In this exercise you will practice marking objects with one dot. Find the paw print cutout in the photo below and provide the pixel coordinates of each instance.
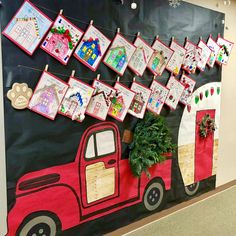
(19, 95)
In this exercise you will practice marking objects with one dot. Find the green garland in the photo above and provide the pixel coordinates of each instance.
(151, 140)
(207, 126)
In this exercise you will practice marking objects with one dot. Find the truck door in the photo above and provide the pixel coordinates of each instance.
(203, 149)
(99, 166)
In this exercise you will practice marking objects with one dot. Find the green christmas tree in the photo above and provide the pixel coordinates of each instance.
(151, 140)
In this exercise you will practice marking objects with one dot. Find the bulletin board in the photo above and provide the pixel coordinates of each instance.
(34, 143)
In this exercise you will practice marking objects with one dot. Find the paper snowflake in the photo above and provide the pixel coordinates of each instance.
(174, 3)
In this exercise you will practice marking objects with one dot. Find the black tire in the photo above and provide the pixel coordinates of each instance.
(41, 225)
(192, 189)
(154, 196)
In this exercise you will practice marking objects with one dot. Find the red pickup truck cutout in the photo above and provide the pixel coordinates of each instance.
(97, 183)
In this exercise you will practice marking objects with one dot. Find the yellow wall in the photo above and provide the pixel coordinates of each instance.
(226, 170)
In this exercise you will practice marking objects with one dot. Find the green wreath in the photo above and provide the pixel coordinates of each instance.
(207, 126)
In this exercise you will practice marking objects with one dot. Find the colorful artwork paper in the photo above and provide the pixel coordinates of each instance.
(175, 93)
(28, 27)
(92, 48)
(121, 102)
(157, 98)
(48, 95)
(119, 54)
(141, 56)
(176, 61)
(101, 100)
(159, 58)
(76, 100)
(211, 43)
(139, 103)
(62, 39)
(205, 55)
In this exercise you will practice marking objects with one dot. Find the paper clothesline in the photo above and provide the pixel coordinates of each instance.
(167, 39)
(82, 77)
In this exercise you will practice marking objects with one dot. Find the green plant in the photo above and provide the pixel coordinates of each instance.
(207, 126)
(151, 141)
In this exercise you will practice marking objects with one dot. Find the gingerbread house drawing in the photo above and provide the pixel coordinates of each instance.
(157, 61)
(139, 58)
(47, 98)
(25, 31)
(117, 106)
(99, 103)
(117, 57)
(137, 103)
(90, 50)
(58, 44)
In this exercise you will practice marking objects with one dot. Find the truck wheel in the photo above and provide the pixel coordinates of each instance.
(39, 226)
(154, 196)
(191, 189)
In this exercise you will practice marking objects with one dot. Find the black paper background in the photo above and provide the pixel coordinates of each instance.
(34, 142)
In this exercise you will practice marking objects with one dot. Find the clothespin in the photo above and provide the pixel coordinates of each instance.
(172, 38)
(61, 12)
(72, 73)
(134, 79)
(138, 34)
(154, 77)
(118, 79)
(46, 68)
(98, 76)
(200, 37)
(186, 38)
(118, 30)
(219, 35)
(91, 22)
(157, 37)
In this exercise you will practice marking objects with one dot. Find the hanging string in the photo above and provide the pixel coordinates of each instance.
(166, 40)
(67, 76)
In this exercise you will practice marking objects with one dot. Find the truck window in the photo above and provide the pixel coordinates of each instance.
(105, 142)
(90, 151)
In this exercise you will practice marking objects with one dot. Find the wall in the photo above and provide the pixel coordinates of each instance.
(3, 199)
(227, 161)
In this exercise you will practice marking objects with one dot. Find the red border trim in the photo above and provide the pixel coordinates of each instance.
(41, 77)
(155, 81)
(208, 57)
(147, 99)
(129, 105)
(79, 81)
(118, 34)
(11, 39)
(51, 54)
(91, 114)
(174, 108)
(174, 41)
(184, 88)
(156, 74)
(130, 67)
(211, 66)
(217, 62)
(85, 63)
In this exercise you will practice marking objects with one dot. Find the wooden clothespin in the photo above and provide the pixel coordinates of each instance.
(46, 68)
(154, 77)
(61, 12)
(219, 35)
(118, 30)
(118, 79)
(172, 38)
(134, 79)
(72, 73)
(157, 37)
(91, 22)
(98, 76)
(138, 34)
(200, 38)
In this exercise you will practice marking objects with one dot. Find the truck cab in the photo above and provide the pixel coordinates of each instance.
(97, 183)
